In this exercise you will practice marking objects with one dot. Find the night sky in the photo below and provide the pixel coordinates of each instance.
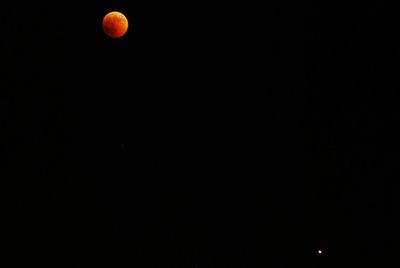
(210, 135)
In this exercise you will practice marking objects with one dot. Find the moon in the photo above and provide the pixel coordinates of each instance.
(115, 24)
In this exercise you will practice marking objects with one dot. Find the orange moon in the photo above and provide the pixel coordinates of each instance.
(115, 24)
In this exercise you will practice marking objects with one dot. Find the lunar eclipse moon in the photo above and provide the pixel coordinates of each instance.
(115, 24)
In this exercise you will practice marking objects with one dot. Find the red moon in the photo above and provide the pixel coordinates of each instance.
(115, 24)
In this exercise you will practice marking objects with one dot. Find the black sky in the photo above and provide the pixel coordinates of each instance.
(210, 135)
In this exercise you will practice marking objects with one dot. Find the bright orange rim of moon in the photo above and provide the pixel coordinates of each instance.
(115, 24)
